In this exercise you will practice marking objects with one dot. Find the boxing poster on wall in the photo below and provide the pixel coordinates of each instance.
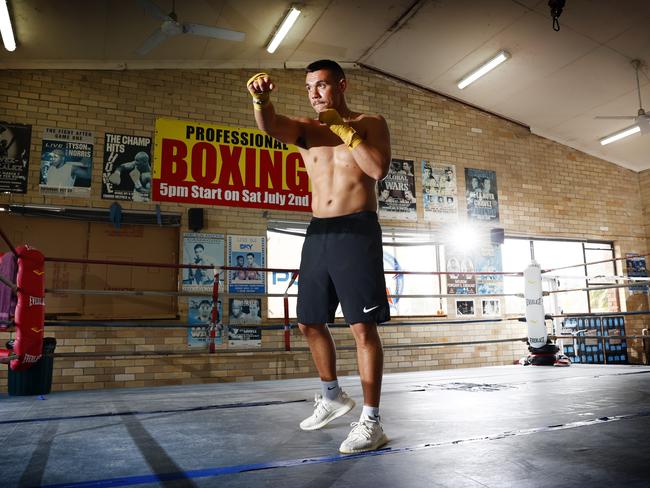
(126, 174)
(481, 195)
(484, 259)
(465, 308)
(248, 253)
(439, 192)
(204, 250)
(66, 162)
(245, 311)
(488, 258)
(243, 336)
(199, 314)
(15, 140)
(396, 192)
(208, 164)
(490, 307)
(636, 268)
(458, 281)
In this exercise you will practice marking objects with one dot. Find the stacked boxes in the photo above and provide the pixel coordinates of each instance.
(615, 349)
(587, 348)
(569, 327)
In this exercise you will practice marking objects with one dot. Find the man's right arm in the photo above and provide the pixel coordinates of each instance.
(285, 129)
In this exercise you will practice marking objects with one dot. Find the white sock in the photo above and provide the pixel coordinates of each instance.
(370, 413)
(331, 389)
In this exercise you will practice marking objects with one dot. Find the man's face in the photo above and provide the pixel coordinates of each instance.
(250, 260)
(240, 261)
(486, 185)
(254, 308)
(324, 90)
(235, 309)
(198, 251)
(57, 159)
(204, 310)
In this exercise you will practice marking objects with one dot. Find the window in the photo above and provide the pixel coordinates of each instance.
(552, 254)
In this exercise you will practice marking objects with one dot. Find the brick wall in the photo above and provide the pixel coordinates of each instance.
(545, 190)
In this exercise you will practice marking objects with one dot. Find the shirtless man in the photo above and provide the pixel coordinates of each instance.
(345, 153)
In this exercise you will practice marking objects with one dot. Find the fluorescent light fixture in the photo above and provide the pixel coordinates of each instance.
(5, 27)
(616, 136)
(285, 26)
(486, 68)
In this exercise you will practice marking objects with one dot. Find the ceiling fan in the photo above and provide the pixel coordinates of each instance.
(171, 27)
(642, 118)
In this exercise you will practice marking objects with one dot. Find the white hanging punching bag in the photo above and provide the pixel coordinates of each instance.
(537, 334)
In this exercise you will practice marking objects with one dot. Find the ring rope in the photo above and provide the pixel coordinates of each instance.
(601, 277)
(275, 350)
(74, 291)
(268, 326)
(9, 244)
(268, 270)
(593, 288)
(594, 262)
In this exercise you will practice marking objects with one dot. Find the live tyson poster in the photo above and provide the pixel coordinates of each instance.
(207, 164)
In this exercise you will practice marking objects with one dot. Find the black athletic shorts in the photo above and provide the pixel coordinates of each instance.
(342, 261)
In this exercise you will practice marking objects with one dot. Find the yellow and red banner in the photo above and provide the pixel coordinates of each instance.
(208, 164)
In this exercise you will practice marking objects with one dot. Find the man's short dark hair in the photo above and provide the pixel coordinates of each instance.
(251, 255)
(199, 246)
(328, 64)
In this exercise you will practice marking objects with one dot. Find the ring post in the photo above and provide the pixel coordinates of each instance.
(214, 318)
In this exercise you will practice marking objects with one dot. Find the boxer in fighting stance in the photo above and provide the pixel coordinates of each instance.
(345, 153)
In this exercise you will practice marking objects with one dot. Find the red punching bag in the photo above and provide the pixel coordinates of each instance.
(30, 308)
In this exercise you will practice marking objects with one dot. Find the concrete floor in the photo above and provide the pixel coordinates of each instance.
(508, 426)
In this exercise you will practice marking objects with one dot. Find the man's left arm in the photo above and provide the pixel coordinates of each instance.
(372, 152)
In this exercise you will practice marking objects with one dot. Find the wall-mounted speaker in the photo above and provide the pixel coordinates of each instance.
(497, 236)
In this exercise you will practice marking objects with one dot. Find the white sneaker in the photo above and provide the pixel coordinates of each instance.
(327, 410)
(366, 435)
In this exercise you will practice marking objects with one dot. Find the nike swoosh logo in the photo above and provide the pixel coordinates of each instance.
(331, 387)
(366, 310)
(37, 330)
(39, 273)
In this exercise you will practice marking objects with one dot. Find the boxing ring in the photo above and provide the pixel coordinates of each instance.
(490, 426)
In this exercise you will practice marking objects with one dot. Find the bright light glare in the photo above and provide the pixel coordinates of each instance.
(287, 23)
(463, 238)
(620, 135)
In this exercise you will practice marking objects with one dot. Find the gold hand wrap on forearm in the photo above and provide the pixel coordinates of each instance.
(260, 99)
(336, 124)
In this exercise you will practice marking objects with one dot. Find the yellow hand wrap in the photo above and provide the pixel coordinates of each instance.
(260, 99)
(336, 124)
